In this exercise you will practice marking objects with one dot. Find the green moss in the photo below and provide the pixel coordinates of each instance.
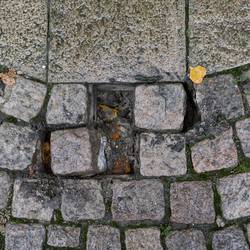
(58, 215)
(244, 166)
(166, 230)
(11, 119)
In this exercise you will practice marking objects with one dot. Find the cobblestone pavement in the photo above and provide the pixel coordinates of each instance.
(105, 144)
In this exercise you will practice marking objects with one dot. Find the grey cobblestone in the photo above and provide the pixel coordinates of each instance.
(162, 155)
(24, 100)
(102, 237)
(23, 43)
(218, 34)
(143, 238)
(192, 202)
(246, 89)
(71, 152)
(5, 189)
(101, 42)
(138, 200)
(234, 192)
(160, 107)
(231, 238)
(35, 199)
(17, 146)
(219, 95)
(63, 236)
(215, 154)
(243, 132)
(82, 200)
(186, 239)
(24, 237)
(67, 105)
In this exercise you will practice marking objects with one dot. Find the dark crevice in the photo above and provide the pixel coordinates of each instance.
(46, 152)
(192, 115)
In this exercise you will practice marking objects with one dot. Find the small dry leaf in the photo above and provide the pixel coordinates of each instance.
(197, 74)
(9, 77)
(111, 113)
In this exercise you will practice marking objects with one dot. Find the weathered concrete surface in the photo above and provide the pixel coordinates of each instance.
(103, 237)
(192, 202)
(67, 105)
(162, 155)
(221, 96)
(186, 239)
(24, 100)
(24, 36)
(234, 193)
(35, 199)
(117, 41)
(24, 237)
(215, 154)
(17, 146)
(143, 238)
(63, 236)
(219, 34)
(138, 200)
(82, 200)
(160, 106)
(243, 132)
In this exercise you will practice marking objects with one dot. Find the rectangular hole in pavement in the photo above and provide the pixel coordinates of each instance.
(114, 119)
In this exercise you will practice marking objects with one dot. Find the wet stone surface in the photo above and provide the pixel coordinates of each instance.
(103, 237)
(192, 202)
(82, 200)
(215, 154)
(186, 239)
(17, 146)
(231, 238)
(160, 107)
(63, 236)
(243, 132)
(234, 192)
(138, 200)
(67, 105)
(24, 236)
(139, 239)
(117, 41)
(24, 100)
(219, 95)
(218, 34)
(162, 155)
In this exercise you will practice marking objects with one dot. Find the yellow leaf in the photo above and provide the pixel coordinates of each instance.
(9, 77)
(197, 74)
(111, 113)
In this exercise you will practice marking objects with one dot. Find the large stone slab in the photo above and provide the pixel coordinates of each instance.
(186, 239)
(219, 95)
(215, 154)
(243, 132)
(17, 146)
(231, 238)
(103, 238)
(219, 34)
(23, 36)
(23, 100)
(234, 193)
(192, 202)
(63, 236)
(35, 199)
(71, 152)
(82, 200)
(24, 237)
(162, 155)
(143, 238)
(117, 41)
(138, 200)
(67, 105)
(5, 188)
(160, 106)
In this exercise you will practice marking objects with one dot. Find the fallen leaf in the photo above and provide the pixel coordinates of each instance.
(110, 113)
(116, 135)
(197, 74)
(9, 77)
(122, 166)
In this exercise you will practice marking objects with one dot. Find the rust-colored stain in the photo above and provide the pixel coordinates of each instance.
(122, 166)
(116, 135)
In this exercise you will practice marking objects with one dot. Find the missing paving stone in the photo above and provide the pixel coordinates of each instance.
(114, 119)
